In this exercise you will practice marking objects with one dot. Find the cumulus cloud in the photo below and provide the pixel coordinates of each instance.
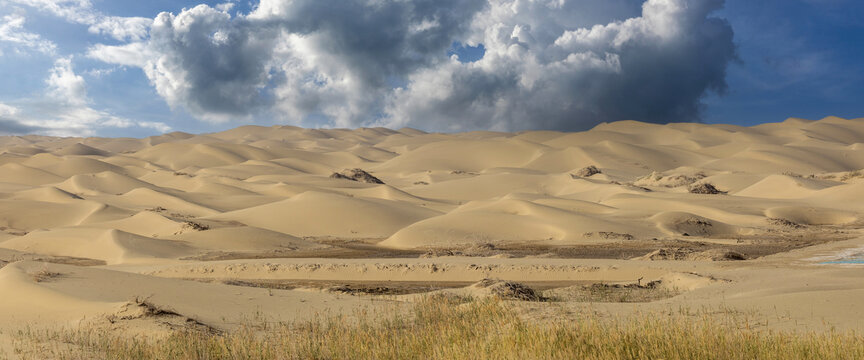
(655, 67)
(82, 12)
(12, 34)
(64, 85)
(214, 66)
(341, 63)
(552, 64)
(300, 58)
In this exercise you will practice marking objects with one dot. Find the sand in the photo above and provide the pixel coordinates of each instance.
(204, 224)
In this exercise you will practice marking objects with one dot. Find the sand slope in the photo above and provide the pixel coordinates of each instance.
(443, 189)
(172, 205)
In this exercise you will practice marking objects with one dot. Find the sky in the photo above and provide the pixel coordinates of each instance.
(139, 68)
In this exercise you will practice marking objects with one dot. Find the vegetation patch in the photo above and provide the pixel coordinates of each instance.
(357, 175)
(509, 290)
(587, 171)
(609, 235)
(692, 255)
(785, 223)
(447, 327)
(44, 275)
(852, 175)
(705, 188)
(612, 293)
(669, 181)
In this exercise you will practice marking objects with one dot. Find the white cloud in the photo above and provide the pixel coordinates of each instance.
(225, 7)
(133, 54)
(99, 73)
(65, 86)
(65, 110)
(297, 58)
(12, 33)
(158, 126)
(548, 63)
(8, 110)
(82, 12)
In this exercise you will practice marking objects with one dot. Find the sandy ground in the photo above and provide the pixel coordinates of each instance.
(275, 223)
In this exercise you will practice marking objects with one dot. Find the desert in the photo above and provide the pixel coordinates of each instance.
(281, 224)
(431, 179)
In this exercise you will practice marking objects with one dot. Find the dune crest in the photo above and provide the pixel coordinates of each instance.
(442, 190)
(284, 219)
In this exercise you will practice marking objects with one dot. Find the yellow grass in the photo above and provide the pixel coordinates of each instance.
(448, 328)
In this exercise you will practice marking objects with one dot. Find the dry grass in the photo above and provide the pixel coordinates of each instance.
(452, 328)
(610, 293)
(852, 175)
(44, 275)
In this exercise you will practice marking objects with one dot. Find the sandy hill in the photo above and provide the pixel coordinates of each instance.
(243, 203)
(440, 190)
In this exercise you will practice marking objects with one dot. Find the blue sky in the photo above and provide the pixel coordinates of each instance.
(798, 58)
(119, 68)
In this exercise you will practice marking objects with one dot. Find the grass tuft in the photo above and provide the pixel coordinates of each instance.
(447, 327)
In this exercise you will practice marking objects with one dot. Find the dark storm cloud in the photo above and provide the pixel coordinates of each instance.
(380, 39)
(547, 63)
(655, 68)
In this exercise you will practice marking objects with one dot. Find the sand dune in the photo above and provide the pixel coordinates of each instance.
(67, 166)
(80, 149)
(181, 156)
(242, 238)
(45, 193)
(326, 214)
(29, 215)
(812, 215)
(244, 203)
(482, 222)
(80, 292)
(784, 187)
(21, 174)
(464, 155)
(109, 245)
(276, 178)
(143, 198)
(145, 223)
(106, 182)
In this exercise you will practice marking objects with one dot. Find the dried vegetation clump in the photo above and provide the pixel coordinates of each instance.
(509, 290)
(669, 181)
(705, 188)
(44, 275)
(692, 255)
(476, 250)
(852, 175)
(612, 293)
(587, 171)
(785, 223)
(609, 235)
(357, 175)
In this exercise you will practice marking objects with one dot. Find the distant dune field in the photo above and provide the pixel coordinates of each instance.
(288, 222)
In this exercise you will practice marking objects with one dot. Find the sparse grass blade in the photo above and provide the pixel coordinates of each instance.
(457, 328)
